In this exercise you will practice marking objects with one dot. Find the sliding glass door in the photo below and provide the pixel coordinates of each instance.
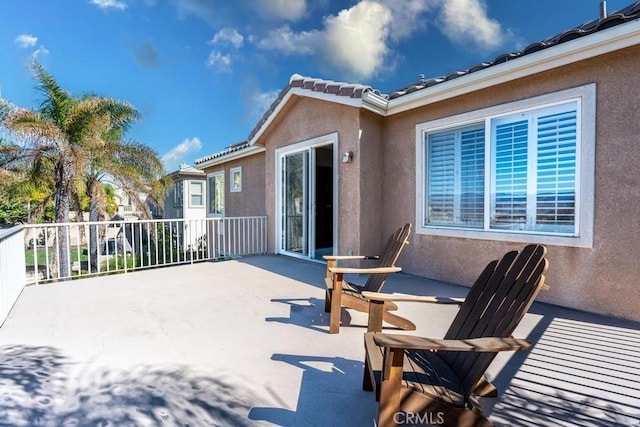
(306, 200)
(295, 203)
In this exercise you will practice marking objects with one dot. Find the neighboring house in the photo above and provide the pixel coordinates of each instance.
(128, 210)
(540, 145)
(186, 200)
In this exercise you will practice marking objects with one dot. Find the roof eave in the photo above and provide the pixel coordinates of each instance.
(374, 102)
(249, 151)
(600, 43)
(306, 93)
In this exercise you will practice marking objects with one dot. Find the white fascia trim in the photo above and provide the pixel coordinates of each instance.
(249, 151)
(602, 42)
(304, 93)
(374, 102)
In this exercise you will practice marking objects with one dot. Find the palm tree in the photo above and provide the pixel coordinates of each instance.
(135, 168)
(79, 140)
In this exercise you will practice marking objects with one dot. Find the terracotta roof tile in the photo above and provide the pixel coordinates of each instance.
(229, 150)
(316, 85)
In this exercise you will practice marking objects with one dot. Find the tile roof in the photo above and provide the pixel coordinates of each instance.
(628, 13)
(230, 149)
(351, 90)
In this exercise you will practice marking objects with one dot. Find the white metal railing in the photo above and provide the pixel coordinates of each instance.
(12, 268)
(78, 249)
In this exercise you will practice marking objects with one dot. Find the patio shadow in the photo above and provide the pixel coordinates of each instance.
(308, 272)
(36, 390)
(30, 380)
(582, 371)
(308, 313)
(330, 394)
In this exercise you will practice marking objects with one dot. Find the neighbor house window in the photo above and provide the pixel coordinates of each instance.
(196, 194)
(508, 173)
(235, 175)
(216, 193)
(178, 192)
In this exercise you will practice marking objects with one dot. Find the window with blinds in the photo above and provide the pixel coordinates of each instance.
(456, 177)
(530, 186)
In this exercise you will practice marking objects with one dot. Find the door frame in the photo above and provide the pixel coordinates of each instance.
(307, 145)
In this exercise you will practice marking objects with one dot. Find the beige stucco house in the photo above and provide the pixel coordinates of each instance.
(540, 145)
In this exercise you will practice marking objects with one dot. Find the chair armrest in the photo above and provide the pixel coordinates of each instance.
(484, 344)
(375, 270)
(342, 257)
(379, 296)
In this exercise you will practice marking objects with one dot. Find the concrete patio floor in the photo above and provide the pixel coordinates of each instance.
(245, 342)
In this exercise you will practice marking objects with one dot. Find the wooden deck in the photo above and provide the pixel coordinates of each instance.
(245, 342)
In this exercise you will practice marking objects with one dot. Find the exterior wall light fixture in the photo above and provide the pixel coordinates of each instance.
(347, 157)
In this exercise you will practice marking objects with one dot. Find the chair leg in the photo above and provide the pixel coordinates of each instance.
(327, 301)
(336, 304)
(391, 389)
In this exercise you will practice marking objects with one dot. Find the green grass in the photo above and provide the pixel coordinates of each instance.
(42, 260)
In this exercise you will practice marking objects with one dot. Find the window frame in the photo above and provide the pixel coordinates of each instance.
(193, 183)
(219, 174)
(585, 96)
(178, 194)
(233, 188)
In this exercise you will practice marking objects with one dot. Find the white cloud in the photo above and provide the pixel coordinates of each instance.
(109, 4)
(359, 41)
(285, 40)
(408, 16)
(178, 154)
(218, 61)
(228, 36)
(41, 51)
(26, 40)
(202, 9)
(290, 10)
(467, 20)
(356, 39)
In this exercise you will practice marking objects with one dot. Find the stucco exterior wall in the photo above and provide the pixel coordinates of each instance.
(370, 161)
(601, 279)
(251, 200)
(305, 119)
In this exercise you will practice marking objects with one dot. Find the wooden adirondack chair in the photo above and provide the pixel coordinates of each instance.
(438, 379)
(340, 292)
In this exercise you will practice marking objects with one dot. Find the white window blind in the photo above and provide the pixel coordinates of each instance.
(509, 207)
(556, 171)
(441, 177)
(472, 177)
(456, 177)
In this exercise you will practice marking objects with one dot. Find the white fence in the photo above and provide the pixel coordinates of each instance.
(79, 249)
(12, 268)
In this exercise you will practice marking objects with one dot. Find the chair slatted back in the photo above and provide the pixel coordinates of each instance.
(494, 306)
(389, 256)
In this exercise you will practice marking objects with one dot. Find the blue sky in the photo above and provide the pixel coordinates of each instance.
(202, 72)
